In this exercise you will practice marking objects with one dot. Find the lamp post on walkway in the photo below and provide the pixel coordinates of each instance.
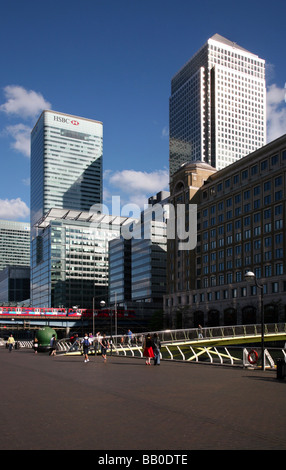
(93, 316)
(102, 305)
(250, 277)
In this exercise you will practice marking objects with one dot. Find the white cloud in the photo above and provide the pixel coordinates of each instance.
(23, 103)
(134, 187)
(276, 112)
(165, 132)
(26, 181)
(13, 209)
(21, 135)
(131, 181)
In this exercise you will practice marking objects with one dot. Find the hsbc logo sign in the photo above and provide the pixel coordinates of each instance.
(65, 120)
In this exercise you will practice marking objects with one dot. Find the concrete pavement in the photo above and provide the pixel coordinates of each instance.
(62, 403)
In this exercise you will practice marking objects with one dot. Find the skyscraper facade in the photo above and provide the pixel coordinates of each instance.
(217, 108)
(14, 244)
(240, 227)
(137, 266)
(119, 271)
(69, 258)
(66, 163)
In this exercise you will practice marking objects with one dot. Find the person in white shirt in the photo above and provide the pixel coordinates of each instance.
(86, 343)
(98, 339)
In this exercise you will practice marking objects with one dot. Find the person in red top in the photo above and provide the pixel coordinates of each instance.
(148, 349)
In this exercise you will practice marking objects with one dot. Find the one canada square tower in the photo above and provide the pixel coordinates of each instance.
(217, 108)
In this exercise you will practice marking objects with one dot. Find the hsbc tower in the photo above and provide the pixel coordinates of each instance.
(66, 163)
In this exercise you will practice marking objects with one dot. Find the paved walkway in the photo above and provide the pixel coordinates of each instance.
(62, 403)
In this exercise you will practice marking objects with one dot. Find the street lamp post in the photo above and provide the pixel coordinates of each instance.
(250, 277)
(93, 317)
(102, 304)
(115, 314)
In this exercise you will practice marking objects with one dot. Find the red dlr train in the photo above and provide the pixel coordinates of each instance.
(64, 313)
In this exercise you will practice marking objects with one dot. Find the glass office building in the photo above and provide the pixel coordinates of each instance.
(149, 257)
(66, 163)
(137, 266)
(14, 243)
(137, 269)
(119, 271)
(15, 284)
(69, 258)
(217, 108)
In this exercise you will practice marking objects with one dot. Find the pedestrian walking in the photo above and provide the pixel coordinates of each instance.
(75, 344)
(10, 342)
(156, 344)
(148, 349)
(129, 337)
(104, 345)
(36, 345)
(98, 338)
(53, 346)
(86, 344)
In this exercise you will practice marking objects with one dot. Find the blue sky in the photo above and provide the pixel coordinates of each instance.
(113, 60)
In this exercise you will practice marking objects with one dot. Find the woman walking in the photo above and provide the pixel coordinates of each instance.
(104, 345)
(53, 346)
(148, 349)
(35, 345)
(156, 348)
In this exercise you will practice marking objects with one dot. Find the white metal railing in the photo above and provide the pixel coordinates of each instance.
(233, 331)
(175, 343)
(122, 343)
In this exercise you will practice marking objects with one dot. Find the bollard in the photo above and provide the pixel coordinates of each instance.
(281, 369)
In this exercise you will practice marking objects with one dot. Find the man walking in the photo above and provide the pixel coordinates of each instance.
(10, 342)
(86, 343)
(129, 337)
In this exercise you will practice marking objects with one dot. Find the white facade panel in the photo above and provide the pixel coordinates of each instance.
(232, 122)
